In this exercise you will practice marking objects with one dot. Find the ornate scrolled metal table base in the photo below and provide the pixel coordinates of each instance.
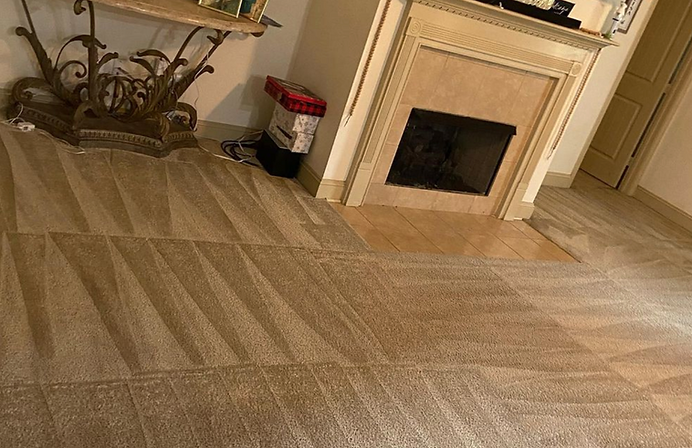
(140, 136)
(94, 108)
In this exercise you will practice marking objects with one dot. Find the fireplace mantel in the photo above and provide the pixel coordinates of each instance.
(518, 22)
(502, 41)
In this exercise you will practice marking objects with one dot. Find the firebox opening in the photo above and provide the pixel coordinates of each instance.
(448, 152)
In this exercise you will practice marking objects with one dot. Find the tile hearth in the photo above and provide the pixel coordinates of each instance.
(398, 229)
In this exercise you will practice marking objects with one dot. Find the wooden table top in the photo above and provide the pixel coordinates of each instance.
(188, 12)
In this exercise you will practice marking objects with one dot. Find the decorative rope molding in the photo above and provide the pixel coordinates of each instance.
(504, 19)
(371, 56)
(573, 106)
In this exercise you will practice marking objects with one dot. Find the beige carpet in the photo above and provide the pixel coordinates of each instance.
(192, 302)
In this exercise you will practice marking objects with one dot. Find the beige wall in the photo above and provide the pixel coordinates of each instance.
(349, 134)
(669, 175)
(328, 61)
(596, 98)
(234, 95)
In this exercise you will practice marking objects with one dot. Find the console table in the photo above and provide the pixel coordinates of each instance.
(95, 108)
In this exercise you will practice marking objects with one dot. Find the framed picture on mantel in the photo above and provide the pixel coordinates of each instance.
(629, 16)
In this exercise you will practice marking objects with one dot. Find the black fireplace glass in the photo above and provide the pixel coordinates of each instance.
(448, 152)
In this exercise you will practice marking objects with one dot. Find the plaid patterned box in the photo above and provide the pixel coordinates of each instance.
(295, 98)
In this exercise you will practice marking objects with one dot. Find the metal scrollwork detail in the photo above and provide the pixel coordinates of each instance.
(79, 7)
(91, 91)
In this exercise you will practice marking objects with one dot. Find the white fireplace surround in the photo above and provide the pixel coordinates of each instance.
(487, 34)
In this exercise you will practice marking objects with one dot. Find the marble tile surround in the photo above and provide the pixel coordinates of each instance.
(459, 85)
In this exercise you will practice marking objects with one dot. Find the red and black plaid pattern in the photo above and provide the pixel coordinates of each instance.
(295, 98)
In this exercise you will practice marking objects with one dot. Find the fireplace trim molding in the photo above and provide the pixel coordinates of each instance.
(518, 22)
(492, 35)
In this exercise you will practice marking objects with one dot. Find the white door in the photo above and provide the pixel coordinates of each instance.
(641, 91)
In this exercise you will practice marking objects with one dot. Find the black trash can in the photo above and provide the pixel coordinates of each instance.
(278, 161)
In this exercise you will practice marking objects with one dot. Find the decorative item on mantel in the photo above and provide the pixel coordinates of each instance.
(558, 11)
(538, 9)
(296, 116)
(619, 17)
(626, 22)
(543, 4)
(95, 108)
(562, 7)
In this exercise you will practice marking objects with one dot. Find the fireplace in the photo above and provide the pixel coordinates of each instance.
(470, 109)
(467, 60)
(440, 151)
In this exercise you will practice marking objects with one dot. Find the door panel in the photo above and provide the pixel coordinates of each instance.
(620, 117)
(652, 52)
(642, 87)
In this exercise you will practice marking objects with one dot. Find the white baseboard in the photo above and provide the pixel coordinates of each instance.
(332, 190)
(329, 189)
(309, 179)
(665, 208)
(559, 180)
(525, 210)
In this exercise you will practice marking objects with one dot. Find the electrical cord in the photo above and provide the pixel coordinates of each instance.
(17, 119)
(236, 153)
(61, 144)
(236, 149)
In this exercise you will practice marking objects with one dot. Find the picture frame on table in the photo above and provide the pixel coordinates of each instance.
(256, 10)
(229, 7)
(632, 8)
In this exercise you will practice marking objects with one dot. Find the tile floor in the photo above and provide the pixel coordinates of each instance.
(396, 229)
